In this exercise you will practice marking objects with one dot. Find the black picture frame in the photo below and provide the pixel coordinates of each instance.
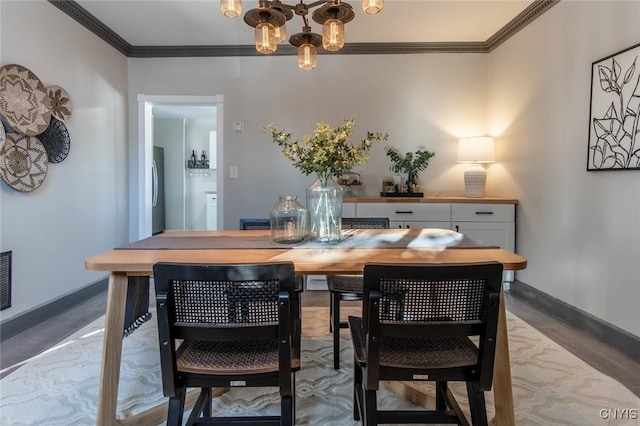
(614, 114)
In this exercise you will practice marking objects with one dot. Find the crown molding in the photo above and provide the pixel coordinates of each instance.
(523, 19)
(348, 49)
(90, 22)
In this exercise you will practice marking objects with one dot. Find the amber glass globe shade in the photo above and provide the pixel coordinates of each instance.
(333, 35)
(265, 38)
(307, 57)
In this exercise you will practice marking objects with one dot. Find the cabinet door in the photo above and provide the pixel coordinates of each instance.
(212, 212)
(501, 234)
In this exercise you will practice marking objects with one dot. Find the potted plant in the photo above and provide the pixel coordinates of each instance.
(410, 163)
(328, 154)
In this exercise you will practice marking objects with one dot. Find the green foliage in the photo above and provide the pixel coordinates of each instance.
(327, 153)
(410, 163)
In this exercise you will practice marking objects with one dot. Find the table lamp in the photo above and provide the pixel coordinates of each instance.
(476, 150)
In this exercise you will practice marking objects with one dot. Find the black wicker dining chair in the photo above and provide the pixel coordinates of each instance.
(421, 323)
(255, 223)
(343, 288)
(226, 326)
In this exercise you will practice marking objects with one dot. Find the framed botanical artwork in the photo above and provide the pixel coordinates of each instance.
(614, 117)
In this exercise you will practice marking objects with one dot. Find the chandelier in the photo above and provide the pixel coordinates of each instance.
(270, 17)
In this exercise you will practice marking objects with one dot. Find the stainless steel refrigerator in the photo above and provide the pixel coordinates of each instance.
(157, 196)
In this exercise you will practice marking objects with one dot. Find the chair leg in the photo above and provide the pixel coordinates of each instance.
(293, 397)
(176, 408)
(357, 392)
(477, 405)
(331, 297)
(286, 410)
(370, 408)
(441, 392)
(206, 411)
(335, 315)
(199, 410)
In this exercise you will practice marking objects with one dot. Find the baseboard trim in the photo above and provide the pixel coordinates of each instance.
(613, 336)
(28, 319)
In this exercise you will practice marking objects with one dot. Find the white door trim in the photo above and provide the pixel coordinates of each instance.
(145, 151)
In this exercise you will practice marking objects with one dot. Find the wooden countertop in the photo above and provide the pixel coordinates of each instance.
(430, 199)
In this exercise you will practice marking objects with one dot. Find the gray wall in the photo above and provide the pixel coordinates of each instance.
(579, 230)
(80, 210)
(446, 99)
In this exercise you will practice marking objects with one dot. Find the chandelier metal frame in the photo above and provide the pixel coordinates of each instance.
(276, 14)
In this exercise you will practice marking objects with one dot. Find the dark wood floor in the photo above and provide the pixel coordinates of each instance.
(602, 357)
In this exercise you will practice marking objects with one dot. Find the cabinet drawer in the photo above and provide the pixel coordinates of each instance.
(406, 211)
(483, 212)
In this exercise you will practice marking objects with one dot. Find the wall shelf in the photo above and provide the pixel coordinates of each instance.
(199, 164)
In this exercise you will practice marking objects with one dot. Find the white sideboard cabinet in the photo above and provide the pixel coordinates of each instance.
(492, 220)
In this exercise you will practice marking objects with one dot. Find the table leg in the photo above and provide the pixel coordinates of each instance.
(502, 386)
(112, 350)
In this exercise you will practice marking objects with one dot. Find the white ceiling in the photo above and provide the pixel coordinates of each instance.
(200, 23)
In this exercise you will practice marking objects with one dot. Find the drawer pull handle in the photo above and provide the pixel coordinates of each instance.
(404, 212)
(486, 213)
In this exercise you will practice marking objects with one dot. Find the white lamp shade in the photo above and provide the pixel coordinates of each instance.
(476, 150)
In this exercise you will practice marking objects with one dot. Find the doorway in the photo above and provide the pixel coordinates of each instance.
(188, 117)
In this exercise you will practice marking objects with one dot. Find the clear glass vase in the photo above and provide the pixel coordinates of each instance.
(288, 220)
(324, 202)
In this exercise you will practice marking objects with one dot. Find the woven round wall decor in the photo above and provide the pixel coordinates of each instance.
(56, 141)
(24, 102)
(2, 135)
(61, 106)
(7, 126)
(23, 162)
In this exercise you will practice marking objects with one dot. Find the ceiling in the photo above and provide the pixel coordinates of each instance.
(147, 28)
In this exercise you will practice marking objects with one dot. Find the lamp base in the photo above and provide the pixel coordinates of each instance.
(475, 179)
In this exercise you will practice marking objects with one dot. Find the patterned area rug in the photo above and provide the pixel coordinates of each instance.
(59, 387)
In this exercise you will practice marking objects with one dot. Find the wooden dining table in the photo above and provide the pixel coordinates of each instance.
(396, 246)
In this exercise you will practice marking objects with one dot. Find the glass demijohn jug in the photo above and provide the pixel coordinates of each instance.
(324, 200)
(288, 220)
